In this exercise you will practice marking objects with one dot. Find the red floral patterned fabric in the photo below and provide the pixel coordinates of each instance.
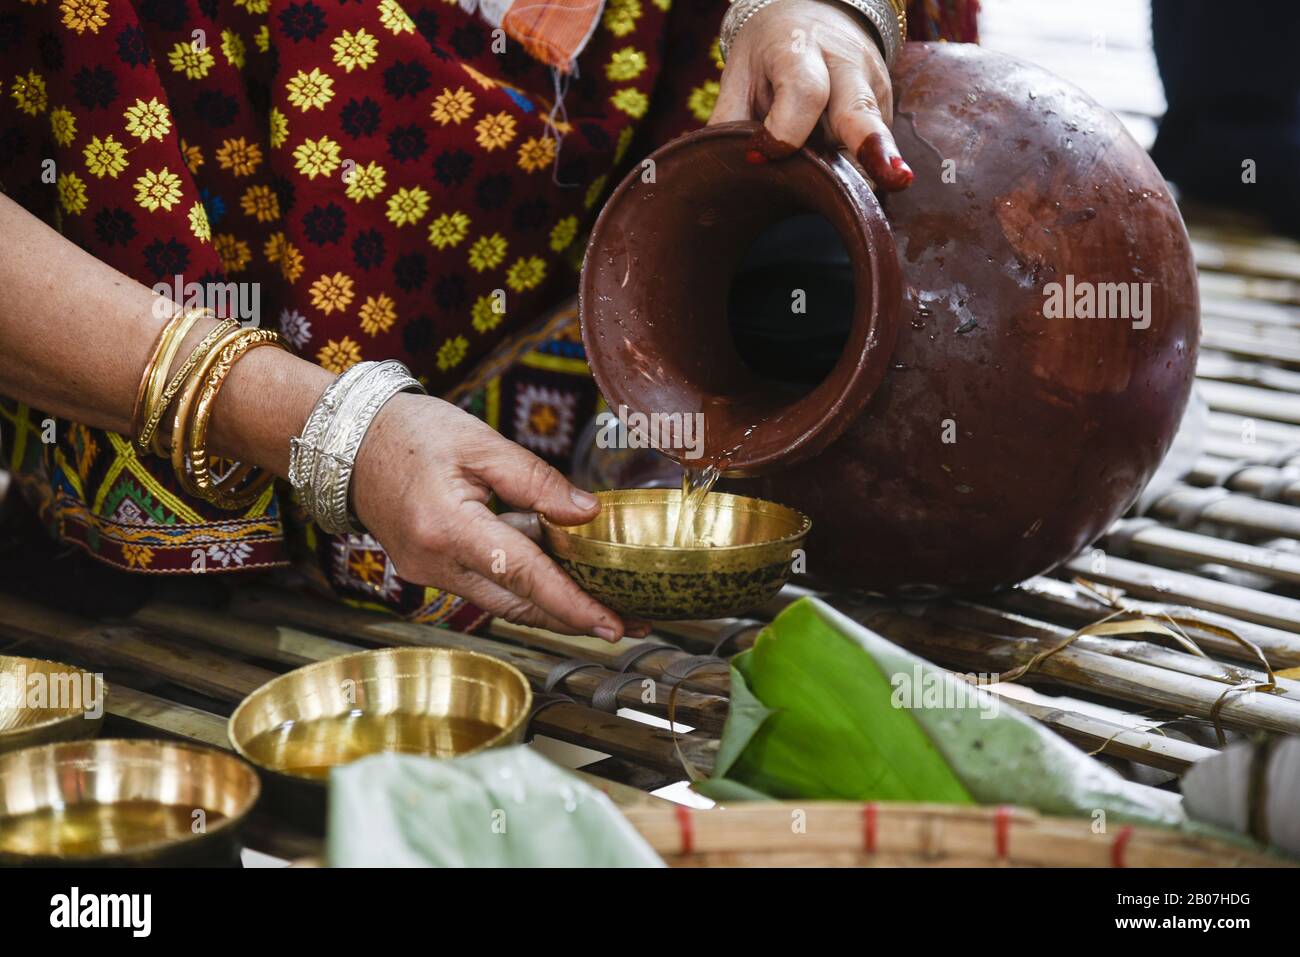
(395, 183)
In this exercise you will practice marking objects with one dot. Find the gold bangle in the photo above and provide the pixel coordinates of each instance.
(150, 375)
(149, 437)
(190, 458)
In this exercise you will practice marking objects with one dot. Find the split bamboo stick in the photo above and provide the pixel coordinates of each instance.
(1164, 543)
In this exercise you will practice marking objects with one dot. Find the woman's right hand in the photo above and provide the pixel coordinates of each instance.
(424, 476)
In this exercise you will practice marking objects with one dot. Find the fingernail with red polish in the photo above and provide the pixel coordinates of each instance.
(764, 147)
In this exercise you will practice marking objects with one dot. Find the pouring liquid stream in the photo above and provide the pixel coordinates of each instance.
(696, 485)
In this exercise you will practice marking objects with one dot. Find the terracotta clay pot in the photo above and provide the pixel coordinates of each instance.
(963, 440)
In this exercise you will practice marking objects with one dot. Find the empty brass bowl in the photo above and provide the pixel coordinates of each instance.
(440, 702)
(45, 701)
(115, 802)
(624, 556)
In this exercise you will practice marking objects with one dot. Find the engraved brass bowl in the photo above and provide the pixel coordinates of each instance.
(45, 701)
(624, 556)
(118, 802)
(442, 702)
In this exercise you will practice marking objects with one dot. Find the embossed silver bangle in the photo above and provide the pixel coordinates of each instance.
(883, 17)
(327, 457)
(737, 15)
(304, 449)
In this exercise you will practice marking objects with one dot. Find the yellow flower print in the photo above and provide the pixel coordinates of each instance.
(453, 106)
(526, 274)
(192, 155)
(664, 5)
(64, 125)
(274, 247)
(332, 293)
(106, 157)
(339, 357)
(233, 253)
(366, 182)
(310, 90)
(594, 191)
(192, 60)
(72, 192)
(355, 50)
(451, 352)
(449, 229)
(407, 207)
(625, 64)
(631, 101)
(29, 93)
(495, 131)
(279, 128)
(536, 153)
(261, 203)
(239, 156)
(262, 39)
(487, 252)
(147, 121)
(83, 15)
(377, 315)
(158, 190)
(137, 556)
(715, 53)
(484, 315)
(563, 233)
(621, 16)
(702, 100)
(394, 18)
(254, 6)
(199, 224)
(317, 157)
(232, 45)
(291, 266)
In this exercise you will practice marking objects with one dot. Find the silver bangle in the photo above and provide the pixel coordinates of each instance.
(737, 15)
(304, 449)
(884, 18)
(323, 458)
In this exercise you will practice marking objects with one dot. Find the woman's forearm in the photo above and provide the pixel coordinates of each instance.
(75, 335)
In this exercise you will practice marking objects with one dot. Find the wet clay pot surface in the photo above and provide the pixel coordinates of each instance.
(964, 440)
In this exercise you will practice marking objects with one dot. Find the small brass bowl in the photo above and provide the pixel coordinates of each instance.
(624, 556)
(118, 802)
(440, 702)
(45, 701)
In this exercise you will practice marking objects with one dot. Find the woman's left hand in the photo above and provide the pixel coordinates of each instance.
(797, 59)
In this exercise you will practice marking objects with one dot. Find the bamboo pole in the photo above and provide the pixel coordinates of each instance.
(230, 681)
(1050, 599)
(695, 709)
(1075, 667)
(1251, 400)
(1162, 542)
(1219, 366)
(1237, 511)
(1162, 584)
(653, 663)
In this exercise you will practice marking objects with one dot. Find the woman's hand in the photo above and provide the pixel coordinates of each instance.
(794, 60)
(424, 475)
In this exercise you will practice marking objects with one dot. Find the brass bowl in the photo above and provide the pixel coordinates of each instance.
(441, 702)
(45, 701)
(116, 802)
(624, 557)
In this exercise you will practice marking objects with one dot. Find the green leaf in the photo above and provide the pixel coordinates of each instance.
(831, 731)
